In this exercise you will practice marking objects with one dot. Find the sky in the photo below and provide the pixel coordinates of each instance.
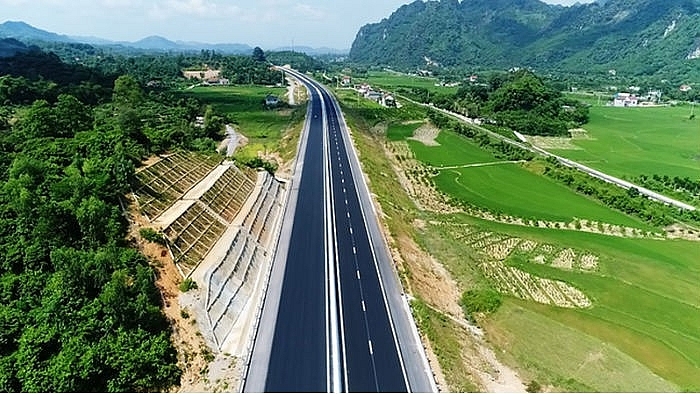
(269, 24)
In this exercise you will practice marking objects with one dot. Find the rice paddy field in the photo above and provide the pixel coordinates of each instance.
(640, 330)
(628, 142)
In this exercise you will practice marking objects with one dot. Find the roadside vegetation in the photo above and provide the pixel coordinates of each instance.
(79, 309)
(567, 289)
(79, 305)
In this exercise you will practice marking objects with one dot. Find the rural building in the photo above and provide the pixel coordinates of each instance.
(271, 100)
(363, 89)
(389, 101)
(686, 88)
(346, 80)
(203, 75)
(625, 100)
(208, 76)
(374, 95)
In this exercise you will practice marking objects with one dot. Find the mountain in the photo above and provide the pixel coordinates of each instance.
(154, 42)
(313, 51)
(10, 47)
(24, 32)
(29, 34)
(638, 36)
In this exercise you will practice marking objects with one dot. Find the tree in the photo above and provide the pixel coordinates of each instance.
(258, 55)
(71, 115)
(127, 92)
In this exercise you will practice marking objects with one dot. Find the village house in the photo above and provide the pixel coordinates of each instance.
(363, 89)
(625, 100)
(346, 80)
(389, 101)
(374, 96)
(208, 76)
(271, 100)
(685, 88)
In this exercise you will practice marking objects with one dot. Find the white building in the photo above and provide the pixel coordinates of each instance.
(625, 100)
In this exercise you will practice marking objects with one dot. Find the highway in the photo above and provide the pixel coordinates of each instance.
(334, 319)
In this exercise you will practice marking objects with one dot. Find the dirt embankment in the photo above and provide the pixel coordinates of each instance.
(202, 370)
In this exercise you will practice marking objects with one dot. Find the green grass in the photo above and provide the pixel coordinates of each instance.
(245, 105)
(391, 81)
(567, 358)
(510, 189)
(634, 141)
(447, 340)
(400, 131)
(646, 307)
(454, 150)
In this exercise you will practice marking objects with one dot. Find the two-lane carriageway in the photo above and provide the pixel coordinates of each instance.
(328, 327)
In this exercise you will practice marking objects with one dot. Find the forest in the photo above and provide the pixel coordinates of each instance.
(79, 310)
(519, 100)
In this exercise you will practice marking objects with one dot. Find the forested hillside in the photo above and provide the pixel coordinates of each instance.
(640, 37)
(79, 310)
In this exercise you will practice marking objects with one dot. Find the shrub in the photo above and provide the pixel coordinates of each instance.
(152, 235)
(533, 387)
(480, 301)
(187, 285)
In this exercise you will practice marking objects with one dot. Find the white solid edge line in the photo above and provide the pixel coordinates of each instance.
(369, 237)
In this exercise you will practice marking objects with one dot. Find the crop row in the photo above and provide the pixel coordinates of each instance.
(523, 285)
(500, 247)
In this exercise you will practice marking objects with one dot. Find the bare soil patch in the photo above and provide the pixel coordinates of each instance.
(681, 231)
(561, 143)
(192, 351)
(426, 134)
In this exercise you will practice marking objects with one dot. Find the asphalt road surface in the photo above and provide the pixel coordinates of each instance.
(330, 326)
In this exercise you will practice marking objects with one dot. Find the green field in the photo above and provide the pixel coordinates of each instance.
(644, 319)
(641, 332)
(510, 189)
(506, 187)
(644, 293)
(393, 80)
(634, 141)
(646, 299)
(245, 105)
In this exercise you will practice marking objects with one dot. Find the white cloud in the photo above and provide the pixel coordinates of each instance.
(310, 12)
(192, 8)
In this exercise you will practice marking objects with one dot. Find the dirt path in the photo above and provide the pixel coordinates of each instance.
(494, 163)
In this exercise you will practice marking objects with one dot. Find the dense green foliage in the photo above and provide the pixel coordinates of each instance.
(480, 301)
(299, 61)
(79, 310)
(683, 188)
(520, 101)
(639, 37)
(152, 235)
